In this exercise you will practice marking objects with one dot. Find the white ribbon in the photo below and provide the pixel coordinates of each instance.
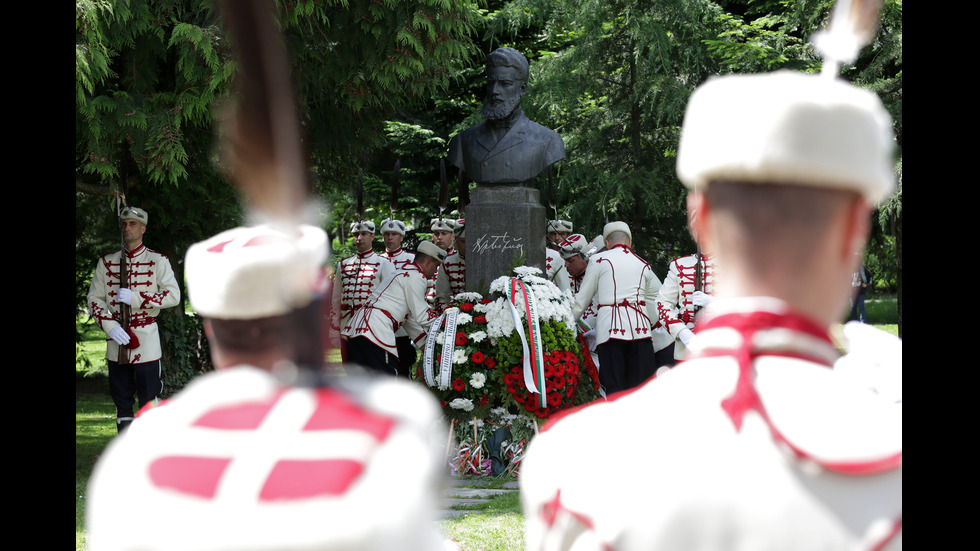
(448, 344)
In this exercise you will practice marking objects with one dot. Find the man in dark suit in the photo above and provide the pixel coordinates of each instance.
(507, 148)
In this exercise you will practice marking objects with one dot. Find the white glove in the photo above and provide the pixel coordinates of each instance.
(590, 339)
(685, 336)
(119, 335)
(700, 298)
(125, 295)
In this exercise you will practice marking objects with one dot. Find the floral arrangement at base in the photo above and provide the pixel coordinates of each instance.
(516, 348)
(457, 361)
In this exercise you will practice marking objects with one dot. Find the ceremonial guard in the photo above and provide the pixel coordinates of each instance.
(686, 290)
(558, 231)
(443, 236)
(576, 251)
(356, 278)
(769, 449)
(451, 278)
(242, 458)
(399, 301)
(133, 352)
(393, 233)
(628, 333)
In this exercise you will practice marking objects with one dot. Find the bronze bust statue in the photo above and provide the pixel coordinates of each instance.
(507, 148)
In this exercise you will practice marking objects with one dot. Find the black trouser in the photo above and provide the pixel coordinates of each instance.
(363, 352)
(625, 364)
(128, 381)
(406, 356)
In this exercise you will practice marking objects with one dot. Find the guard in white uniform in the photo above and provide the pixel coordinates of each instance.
(151, 288)
(451, 279)
(628, 333)
(356, 277)
(575, 252)
(752, 442)
(241, 459)
(443, 235)
(686, 289)
(399, 301)
(554, 264)
(393, 233)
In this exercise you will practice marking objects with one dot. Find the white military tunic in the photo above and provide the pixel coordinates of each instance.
(674, 304)
(761, 447)
(398, 301)
(399, 258)
(450, 281)
(151, 280)
(555, 269)
(356, 278)
(237, 462)
(625, 291)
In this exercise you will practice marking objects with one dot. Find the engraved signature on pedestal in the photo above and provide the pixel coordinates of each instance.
(498, 243)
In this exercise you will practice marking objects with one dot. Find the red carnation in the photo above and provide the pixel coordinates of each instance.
(458, 384)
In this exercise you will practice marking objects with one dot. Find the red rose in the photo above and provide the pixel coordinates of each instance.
(458, 384)
(477, 357)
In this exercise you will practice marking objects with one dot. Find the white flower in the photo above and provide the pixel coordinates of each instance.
(463, 319)
(468, 297)
(459, 356)
(478, 336)
(477, 380)
(462, 403)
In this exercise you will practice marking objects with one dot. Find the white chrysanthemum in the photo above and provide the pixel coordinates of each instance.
(462, 403)
(478, 336)
(463, 319)
(477, 380)
(459, 356)
(468, 297)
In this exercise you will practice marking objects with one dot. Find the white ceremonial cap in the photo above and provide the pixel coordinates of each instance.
(787, 128)
(134, 213)
(431, 249)
(443, 224)
(362, 225)
(396, 226)
(616, 226)
(560, 226)
(458, 227)
(255, 271)
(575, 244)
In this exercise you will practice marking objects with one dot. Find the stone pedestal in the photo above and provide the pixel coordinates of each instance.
(502, 223)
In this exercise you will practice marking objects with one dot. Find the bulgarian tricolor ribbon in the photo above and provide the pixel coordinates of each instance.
(448, 345)
(533, 350)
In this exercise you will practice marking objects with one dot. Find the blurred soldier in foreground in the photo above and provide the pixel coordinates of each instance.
(241, 459)
(752, 442)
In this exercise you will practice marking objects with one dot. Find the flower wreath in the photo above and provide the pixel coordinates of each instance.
(457, 361)
(531, 325)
